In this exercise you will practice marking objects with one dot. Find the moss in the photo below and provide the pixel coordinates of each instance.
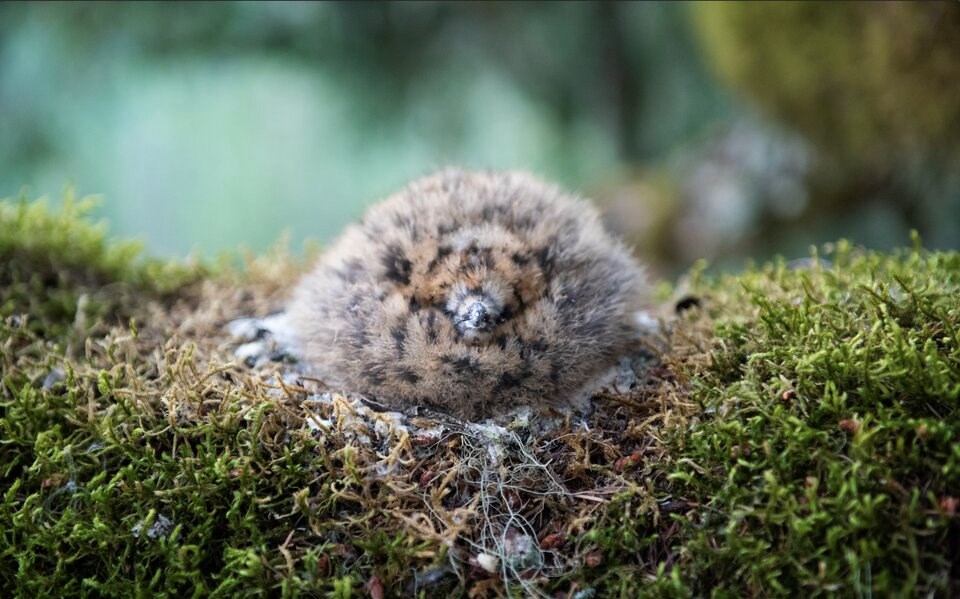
(57, 264)
(826, 456)
(799, 435)
(869, 83)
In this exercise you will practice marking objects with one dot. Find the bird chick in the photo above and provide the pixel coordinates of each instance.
(471, 293)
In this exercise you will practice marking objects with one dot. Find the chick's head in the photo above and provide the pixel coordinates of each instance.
(486, 278)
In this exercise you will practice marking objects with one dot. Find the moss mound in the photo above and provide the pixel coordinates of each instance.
(798, 435)
(827, 455)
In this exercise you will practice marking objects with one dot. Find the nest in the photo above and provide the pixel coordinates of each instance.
(505, 502)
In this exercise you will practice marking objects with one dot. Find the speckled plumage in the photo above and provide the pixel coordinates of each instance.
(471, 293)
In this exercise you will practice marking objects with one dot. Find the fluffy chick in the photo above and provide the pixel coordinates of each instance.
(471, 293)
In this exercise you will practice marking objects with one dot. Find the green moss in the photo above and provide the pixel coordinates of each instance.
(800, 436)
(57, 266)
(64, 240)
(869, 83)
(827, 448)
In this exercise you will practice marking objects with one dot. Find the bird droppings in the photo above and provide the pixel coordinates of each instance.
(252, 353)
(54, 378)
(248, 329)
(268, 339)
(159, 527)
(489, 563)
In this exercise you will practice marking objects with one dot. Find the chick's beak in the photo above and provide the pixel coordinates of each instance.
(477, 316)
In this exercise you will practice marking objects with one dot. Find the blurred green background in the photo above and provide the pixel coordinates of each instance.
(709, 130)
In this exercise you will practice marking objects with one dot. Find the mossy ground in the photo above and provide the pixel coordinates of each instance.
(800, 434)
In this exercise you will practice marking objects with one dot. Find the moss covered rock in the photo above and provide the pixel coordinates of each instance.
(797, 434)
(870, 83)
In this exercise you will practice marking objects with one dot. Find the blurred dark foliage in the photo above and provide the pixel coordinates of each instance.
(871, 86)
(599, 59)
(858, 133)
